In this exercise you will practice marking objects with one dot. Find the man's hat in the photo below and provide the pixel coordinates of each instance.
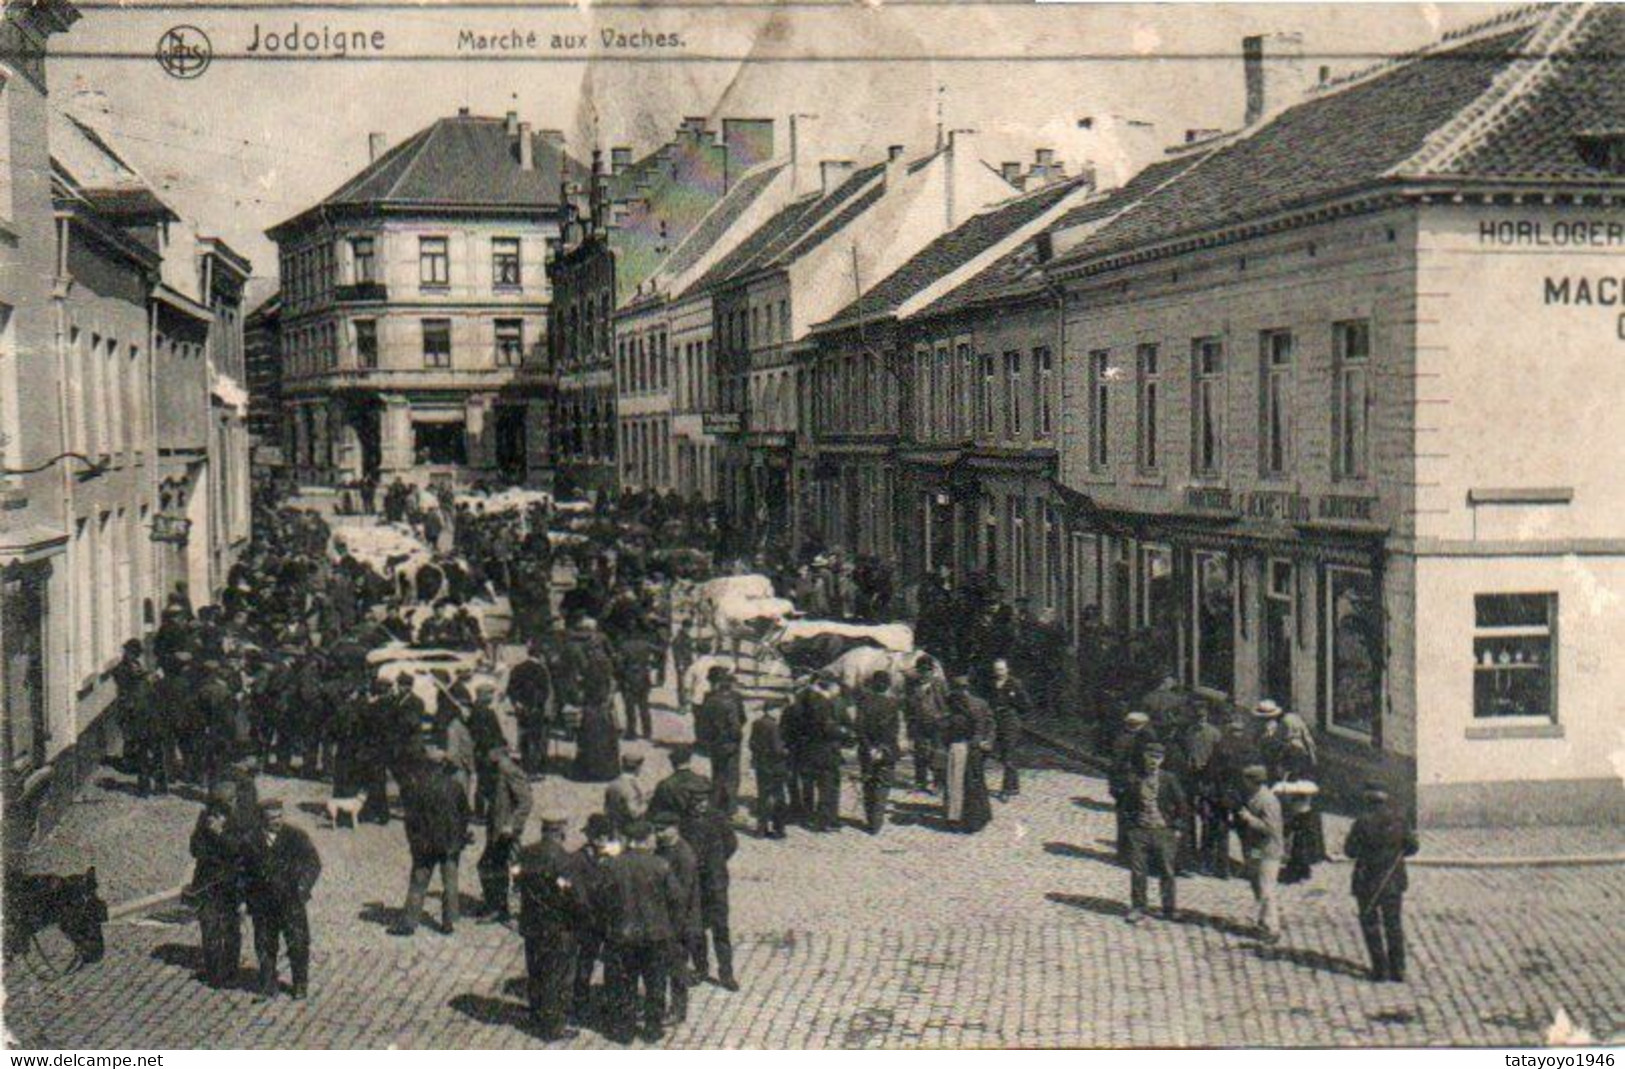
(639, 829)
(716, 672)
(271, 805)
(133, 646)
(880, 680)
(681, 754)
(554, 820)
(631, 759)
(1258, 772)
(599, 826)
(1374, 791)
(1267, 710)
(1137, 719)
(1155, 748)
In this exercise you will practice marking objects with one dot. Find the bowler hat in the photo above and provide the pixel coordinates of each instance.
(1267, 710)
(599, 827)
(681, 755)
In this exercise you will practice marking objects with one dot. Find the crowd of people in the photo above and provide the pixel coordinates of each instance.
(287, 675)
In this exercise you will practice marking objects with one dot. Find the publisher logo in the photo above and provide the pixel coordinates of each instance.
(184, 52)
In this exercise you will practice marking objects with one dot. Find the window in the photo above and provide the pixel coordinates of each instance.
(1100, 367)
(1147, 398)
(942, 395)
(1012, 397)
(7, 208)
(967, 392)
(1514, 654)
(1275, 402)
(984, 399)
(437, 343)
(505, 263)
(439, 443)
(365, 259)
(1043, 398)
(24, 614)
(1016, 524)
(1353, 652)
(434, 262)
(1214, 616)
(510, 342)
(1351, 405)
(1207, 406)
(922, 392)
(784, 320)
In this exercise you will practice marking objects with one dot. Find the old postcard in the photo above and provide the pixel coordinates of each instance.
(812, 524)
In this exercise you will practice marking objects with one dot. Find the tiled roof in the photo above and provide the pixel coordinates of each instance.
(722, 215)
(1584, 90)
(96, 171)
(1016, 272)
(775, 242)
(1505, 101)
(955, 249)
(463, 160)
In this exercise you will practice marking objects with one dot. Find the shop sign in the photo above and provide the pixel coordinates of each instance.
(720, 422)
(1281, 504)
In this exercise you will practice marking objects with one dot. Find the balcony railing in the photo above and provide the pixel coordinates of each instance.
(361, 291)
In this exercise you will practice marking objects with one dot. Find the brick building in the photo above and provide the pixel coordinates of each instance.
(414, 301)
(1290, 410)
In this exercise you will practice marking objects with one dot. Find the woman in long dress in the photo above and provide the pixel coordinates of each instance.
(968, 735)
(1305, 832)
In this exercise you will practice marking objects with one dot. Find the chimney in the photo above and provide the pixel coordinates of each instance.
(961, 154)
(620, 158)
(896, 167)
(377, 143)
(1044, 157)
(527, 148)
(1272, 69)
(510, 123)
(831, 173)
(1010, 171)
(462, 112)
(595, 195)
(1201, 134)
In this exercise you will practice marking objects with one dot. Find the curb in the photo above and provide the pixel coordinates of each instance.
(1536, 861)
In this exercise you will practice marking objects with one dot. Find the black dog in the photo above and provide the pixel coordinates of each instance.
(37, 902)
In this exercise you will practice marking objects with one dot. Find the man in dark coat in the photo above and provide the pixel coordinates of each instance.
(589, 683)
(530, 689)
(643, 898)
(1154, 810)
(682, 658)
(436, 831)
(675, 796)
(1128, 758)
(793, 731)
(708, 831)
(879, 724)
(1379, 842)
(377, 710)
(634, 661)
(553, 905)
(215, 895)
(505, 823)
(825, 732)
(671, 845)
(1234, 751)
(281, 868)
(595, 853)
(769, 760)
(925, 706)
(147, 743)
(719, 728)
(1011, 708)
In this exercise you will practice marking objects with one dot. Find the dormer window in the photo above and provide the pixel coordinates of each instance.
(1602, 150)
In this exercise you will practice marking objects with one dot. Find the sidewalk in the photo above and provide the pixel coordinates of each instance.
(1529, 846)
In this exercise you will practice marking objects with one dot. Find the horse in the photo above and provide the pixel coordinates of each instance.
(36, 902)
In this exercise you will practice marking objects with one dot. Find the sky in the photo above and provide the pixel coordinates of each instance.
(255, 140)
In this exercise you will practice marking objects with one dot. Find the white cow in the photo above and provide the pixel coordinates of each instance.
(735, 619)
(899, 638)
(855, 667)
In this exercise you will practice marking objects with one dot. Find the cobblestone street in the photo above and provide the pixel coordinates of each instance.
(1014, 937)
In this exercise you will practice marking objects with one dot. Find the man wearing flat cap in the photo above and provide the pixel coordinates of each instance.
(505, 823)
(719, 728)
(643, 900)
(675, 795)
(553, 909)
(1379, 843)
(1263, 837)
(1128, 759)
(625, 799)
(1154, 809)
(282, 867)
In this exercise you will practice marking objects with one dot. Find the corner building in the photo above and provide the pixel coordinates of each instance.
(1338, 438)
